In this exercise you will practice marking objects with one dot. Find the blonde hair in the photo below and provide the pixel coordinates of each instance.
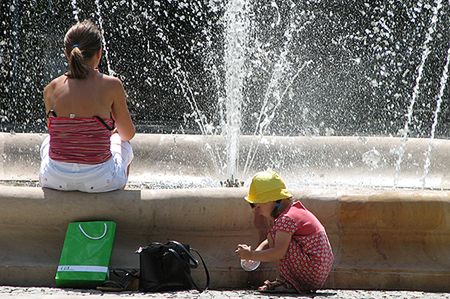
(81, 42)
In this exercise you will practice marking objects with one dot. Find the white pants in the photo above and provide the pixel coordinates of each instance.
(107, 176)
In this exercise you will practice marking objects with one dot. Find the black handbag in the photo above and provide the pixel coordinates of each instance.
(167, 267)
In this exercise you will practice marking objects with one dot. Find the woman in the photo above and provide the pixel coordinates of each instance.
(88, 121)
(296, 240)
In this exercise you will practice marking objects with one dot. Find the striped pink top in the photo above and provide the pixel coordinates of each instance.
(79, 140)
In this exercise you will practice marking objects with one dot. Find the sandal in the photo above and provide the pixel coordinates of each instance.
(276, 286)
(123, 280)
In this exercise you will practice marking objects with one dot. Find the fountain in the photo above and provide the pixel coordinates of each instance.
(347, 103)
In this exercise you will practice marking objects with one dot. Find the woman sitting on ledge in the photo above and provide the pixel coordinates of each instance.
(88, 121)
(297, 241)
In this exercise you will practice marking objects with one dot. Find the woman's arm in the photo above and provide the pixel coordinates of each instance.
(281, 244)
(48, 91)
(120, 112)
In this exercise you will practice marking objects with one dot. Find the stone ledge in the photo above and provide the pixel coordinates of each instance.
(382, 240)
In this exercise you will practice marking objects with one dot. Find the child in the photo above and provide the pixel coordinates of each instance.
(297, 240)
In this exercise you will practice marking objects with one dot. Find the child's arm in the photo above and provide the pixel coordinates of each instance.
(282, 240)
(263, 245)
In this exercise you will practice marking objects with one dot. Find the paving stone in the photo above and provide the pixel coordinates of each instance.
(56, 293)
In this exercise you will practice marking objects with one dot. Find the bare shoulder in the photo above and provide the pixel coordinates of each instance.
(53, 85)
(113, 83)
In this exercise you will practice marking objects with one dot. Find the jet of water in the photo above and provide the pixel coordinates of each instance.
(415, 94)
(443, 83)
(105, 48)
(263, 125)
(236, 38)
(268, 109)
(182, 78)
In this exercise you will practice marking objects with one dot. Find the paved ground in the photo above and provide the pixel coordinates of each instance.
(53, 293)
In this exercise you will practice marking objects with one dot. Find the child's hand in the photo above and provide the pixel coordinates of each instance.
(244, 251)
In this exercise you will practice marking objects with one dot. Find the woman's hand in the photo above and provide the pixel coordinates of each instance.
(244, 251)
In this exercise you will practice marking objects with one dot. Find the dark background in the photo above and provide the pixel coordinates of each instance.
(363, 61)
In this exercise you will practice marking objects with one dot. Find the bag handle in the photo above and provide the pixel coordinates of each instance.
(191, 258)
(188, 275)
(206, 272)
(93, 238)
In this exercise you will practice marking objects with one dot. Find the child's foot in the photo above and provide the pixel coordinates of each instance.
(276, 286)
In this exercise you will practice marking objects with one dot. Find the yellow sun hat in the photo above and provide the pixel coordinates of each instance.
(267, 186)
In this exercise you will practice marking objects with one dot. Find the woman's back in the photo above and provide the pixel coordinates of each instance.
(82, 98)
(96, 95)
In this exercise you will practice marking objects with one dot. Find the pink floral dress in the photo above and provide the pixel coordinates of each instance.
(309, 258)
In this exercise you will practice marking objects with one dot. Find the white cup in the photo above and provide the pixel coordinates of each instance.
(249, 265)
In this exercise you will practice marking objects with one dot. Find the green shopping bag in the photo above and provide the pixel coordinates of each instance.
(86, 253)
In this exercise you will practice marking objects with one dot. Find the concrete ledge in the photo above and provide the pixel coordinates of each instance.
(381, 240)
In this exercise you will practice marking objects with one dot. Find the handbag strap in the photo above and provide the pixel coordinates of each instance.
(189, 254)
(206, 272)
(186, 273)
